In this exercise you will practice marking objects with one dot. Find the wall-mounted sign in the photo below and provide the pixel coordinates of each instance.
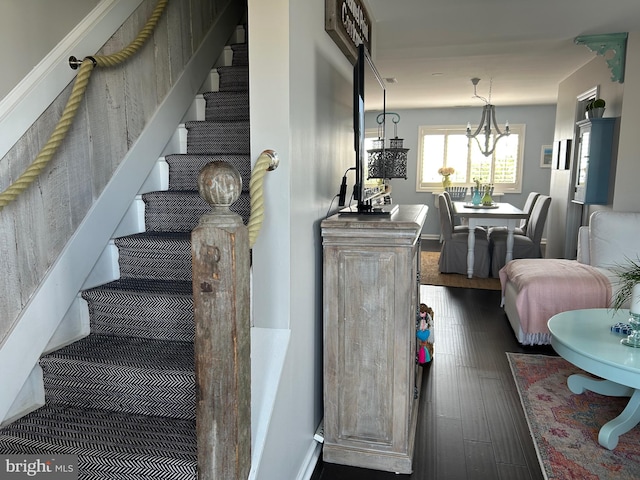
(349, 24)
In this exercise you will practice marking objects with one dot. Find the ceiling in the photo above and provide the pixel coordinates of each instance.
(522, 49)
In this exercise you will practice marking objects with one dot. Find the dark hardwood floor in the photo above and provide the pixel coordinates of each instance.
(470, 423)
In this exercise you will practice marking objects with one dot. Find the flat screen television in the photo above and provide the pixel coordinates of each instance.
(368, 110)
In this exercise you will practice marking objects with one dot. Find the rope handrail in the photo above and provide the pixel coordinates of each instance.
(71, 108)
(266, 162)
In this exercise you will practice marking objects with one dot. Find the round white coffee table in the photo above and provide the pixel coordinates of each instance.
(584, 338)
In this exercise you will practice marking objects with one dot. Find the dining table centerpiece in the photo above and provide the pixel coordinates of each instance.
(446, 172)
(486, 197)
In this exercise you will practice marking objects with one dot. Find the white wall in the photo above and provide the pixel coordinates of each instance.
(35, 27)
(301, 106)
(539, 121)
(564, 216)
(626, 197)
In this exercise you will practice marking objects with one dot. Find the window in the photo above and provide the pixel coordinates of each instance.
(449, 146)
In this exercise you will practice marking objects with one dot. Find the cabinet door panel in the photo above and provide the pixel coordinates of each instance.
(366, 331)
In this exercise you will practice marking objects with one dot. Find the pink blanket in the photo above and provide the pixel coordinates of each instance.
(549, 286)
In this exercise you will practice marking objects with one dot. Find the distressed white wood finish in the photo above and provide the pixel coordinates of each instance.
(51, 246)
(370, 289)
(26, 102)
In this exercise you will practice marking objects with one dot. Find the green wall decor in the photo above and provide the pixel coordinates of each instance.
(601, 44)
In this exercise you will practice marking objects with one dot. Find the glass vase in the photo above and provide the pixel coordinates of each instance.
(476, 199)
(633, 340)
(486, 198)
(446, 181)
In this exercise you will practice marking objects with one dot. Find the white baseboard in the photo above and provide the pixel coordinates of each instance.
(310, 461)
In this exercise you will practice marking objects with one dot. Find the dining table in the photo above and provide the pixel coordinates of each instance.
(495, 215)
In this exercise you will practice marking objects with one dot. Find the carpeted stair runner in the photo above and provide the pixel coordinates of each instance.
(123, 398)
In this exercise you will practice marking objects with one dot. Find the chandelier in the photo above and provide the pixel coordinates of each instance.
(487, 121)
(390, 162)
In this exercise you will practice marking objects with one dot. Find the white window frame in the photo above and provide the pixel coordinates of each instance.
(423, 130)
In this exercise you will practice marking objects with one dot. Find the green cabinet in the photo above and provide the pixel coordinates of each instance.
(596, 142)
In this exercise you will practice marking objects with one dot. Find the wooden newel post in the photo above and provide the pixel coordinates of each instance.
(220, 253)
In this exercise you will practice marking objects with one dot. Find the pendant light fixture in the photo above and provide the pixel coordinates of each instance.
(487, 123)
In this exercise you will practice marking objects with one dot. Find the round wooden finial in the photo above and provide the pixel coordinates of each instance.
(219, 184)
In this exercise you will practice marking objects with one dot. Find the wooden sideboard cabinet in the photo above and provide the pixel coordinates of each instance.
(371, 301)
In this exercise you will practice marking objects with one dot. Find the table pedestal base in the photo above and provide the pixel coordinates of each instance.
(630, 416)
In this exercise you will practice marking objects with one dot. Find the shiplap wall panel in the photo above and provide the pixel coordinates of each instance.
(139, 77)
(118, 103)
(77, 148)
(9, 280)
(161, 54)
(185, 31)
(197, 29)
(177, 38)
(108, 131)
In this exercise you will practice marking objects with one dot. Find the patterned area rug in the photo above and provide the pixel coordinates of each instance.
(565, 426)
(430, 275)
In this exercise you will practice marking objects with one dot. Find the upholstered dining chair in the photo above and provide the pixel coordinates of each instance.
(453, 253)
(456, 228)
(522, 228)
(524, 246)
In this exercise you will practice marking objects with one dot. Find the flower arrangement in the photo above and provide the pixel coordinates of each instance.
(628, 277)
(444, 171)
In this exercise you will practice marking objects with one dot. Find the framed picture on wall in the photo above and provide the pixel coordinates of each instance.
(546, 156)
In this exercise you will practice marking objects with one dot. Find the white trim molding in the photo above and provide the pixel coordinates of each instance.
(26, 102)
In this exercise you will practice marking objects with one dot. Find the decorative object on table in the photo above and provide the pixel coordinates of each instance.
(446, 172)
(488, 117)
(546, 156)
(424, 334)
(623, 328)
(457, 193)
(628, 289)
(564, 425)
(486, 197)
(595, 108)
(476, 199)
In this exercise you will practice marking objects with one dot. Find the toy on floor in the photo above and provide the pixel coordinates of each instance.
(425, 334)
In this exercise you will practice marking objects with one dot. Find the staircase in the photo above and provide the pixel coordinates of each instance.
(123, 398)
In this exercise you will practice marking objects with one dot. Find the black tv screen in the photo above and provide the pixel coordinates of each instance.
(368, 111)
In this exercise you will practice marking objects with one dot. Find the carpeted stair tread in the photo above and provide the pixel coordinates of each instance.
(233, 78)
(209, 137)
(135, 375)
(124, 351)
(156, 309)
(143, 286)
(227, 106)
(185, 168)
(180, 211)
(155, 255)
(240, 54)
(109, 445)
